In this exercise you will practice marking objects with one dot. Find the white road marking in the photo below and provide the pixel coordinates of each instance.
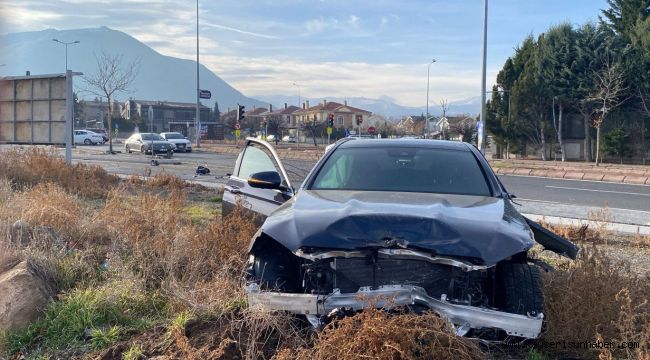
(562, 179)
(542, 201)
(595, 190)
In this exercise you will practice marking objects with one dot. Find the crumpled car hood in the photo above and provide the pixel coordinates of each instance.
(483, 229)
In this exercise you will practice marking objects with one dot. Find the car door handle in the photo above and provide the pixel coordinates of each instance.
(233, 189)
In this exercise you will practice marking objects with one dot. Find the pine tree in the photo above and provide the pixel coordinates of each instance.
(622, 15)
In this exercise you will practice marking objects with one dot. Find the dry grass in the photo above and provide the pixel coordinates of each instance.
(376, 334)
(592, 297)
(48, 204)
(167, 181)
(198, 264)
(27, 168)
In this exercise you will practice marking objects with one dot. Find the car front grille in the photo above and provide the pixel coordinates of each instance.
(352, 273)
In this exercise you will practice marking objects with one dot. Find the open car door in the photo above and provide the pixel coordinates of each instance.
(259, 182)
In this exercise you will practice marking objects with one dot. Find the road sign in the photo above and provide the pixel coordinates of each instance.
(205, 94)
(237, 126)
(237, 133)
(329, 130)
(372, 130)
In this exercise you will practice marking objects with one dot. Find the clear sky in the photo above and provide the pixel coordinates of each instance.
(368, 48)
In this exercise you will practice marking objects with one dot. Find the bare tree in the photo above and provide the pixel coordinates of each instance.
(110, 79)
(609, 93)
(444, 105)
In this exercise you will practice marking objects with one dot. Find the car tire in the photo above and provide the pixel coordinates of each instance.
(127, 149)
(88, 142)
(188, 150)
(520, 289)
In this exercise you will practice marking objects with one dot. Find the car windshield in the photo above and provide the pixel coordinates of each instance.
(402, 169)
(174, 136)
(151, 137)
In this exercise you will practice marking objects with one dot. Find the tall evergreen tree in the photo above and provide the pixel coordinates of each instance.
(622, 15)
(555, 57)
(589, 39)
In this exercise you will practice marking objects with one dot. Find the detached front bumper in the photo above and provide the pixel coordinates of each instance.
(462, 316)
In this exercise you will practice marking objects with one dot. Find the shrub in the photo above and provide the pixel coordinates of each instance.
(377, 334)
(26, 168)
(593, 297)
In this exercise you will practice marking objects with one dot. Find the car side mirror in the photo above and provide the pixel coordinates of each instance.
(265, 180)
(186, 138)
(512, 196)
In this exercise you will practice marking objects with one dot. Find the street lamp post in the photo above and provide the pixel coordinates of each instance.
(481, 140)
(66, 49)
(198, 89)
(427, 118)
(298, 121)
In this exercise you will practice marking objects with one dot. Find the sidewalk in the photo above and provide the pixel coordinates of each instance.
(630, 174)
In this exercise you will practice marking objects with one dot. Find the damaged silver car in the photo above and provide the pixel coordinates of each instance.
(415, 224)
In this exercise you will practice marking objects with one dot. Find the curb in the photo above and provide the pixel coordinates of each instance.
(635, 177)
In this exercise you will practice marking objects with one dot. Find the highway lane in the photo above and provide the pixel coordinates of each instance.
(579, 192)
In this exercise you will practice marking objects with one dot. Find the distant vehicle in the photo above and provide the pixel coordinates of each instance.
(99, 131)
(269, 138)
(289, 138)
(87, 137)
(182, 143)
(143, 141)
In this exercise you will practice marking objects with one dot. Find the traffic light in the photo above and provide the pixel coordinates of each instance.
(359, 119)
(240, 112)
(330, 120)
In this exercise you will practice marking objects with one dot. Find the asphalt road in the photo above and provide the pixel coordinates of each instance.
(626, 203)
(579, 192)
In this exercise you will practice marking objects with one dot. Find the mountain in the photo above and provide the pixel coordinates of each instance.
(165, 78)
(385, 105)
(160, 77)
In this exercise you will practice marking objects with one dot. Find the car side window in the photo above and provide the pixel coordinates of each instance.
(255, 159)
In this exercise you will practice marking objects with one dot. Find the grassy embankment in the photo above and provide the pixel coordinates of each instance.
(142, 269)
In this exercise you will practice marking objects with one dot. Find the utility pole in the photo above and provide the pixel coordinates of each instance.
(481, 140)
(198, 89)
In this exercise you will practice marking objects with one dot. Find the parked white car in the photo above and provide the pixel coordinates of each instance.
(181, 142)
(87, 137)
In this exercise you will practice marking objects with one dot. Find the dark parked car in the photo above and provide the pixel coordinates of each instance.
(420, 224)
(143, 142)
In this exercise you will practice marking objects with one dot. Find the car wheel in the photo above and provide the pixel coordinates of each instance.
(188, 150)
(520, 288)
(127, 149)
(88, 142)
